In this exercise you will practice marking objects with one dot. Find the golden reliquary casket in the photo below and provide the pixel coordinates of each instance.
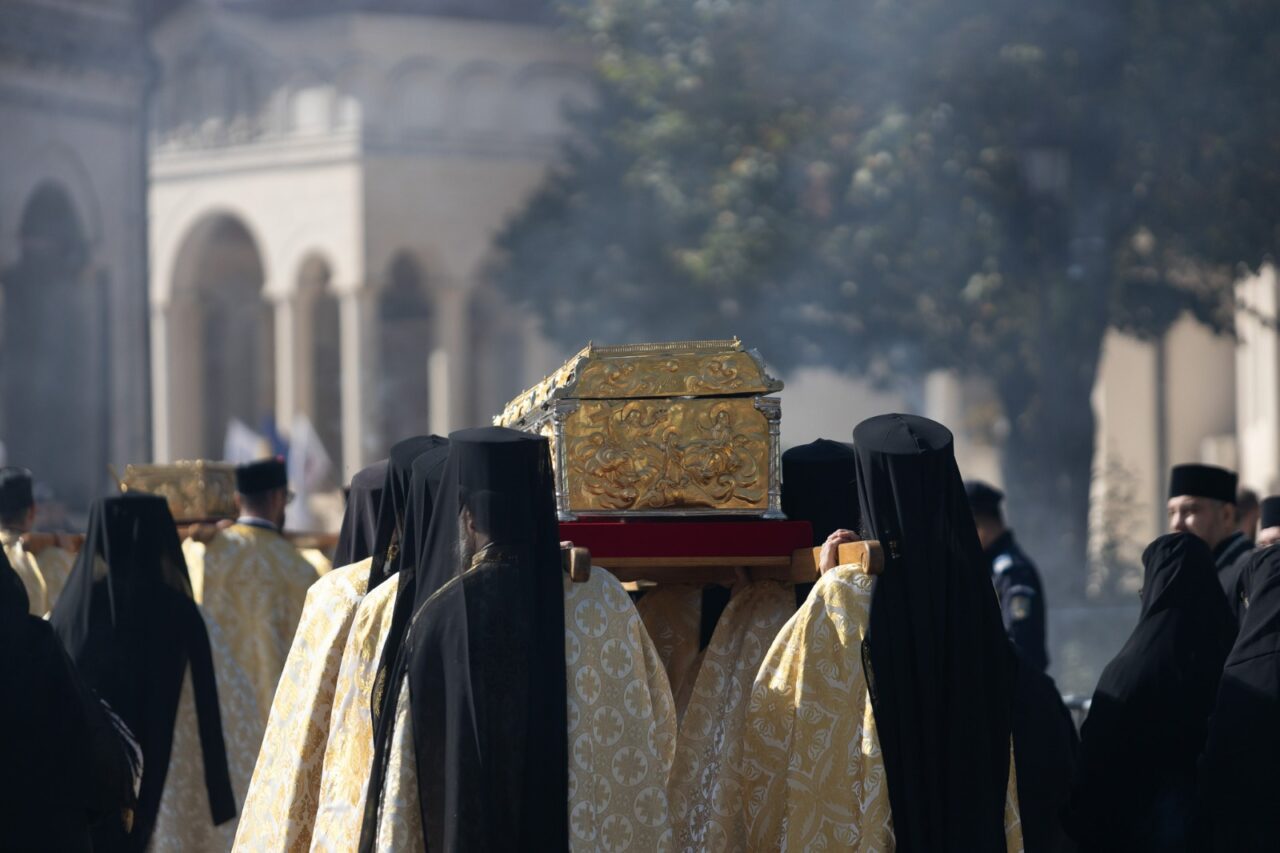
(197, 490)
(674, 429)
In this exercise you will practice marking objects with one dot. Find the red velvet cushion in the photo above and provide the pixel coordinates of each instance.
(682, 538)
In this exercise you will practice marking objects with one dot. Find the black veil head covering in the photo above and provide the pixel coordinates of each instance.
(127, 619)
(484, 655)
(389, 543)
(424, 482)
(818, 486)
(1148, 720)
(941, 665)
(63, 768)
(1238, 778)
(360, 518)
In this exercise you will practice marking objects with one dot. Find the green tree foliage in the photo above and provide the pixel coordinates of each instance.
(893, 186)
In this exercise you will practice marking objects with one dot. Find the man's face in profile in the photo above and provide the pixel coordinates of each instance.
(1211, 520)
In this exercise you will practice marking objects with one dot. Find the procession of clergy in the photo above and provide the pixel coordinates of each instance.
(448, 687)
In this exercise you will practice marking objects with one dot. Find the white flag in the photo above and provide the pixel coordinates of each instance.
(309, 462)
(243, 444)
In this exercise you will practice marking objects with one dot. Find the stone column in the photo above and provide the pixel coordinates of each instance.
(357, 345)
(177, 352)
(1126, 506)
(1258, 380)
(450, 367)
(304, 374)
(161, 404)
(285, 318)
(953, 399)
(1199, 396)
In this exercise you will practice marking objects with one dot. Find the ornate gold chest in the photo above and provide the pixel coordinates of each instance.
(658, 430)
(196, 490)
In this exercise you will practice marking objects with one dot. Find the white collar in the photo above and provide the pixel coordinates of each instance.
(252, 521)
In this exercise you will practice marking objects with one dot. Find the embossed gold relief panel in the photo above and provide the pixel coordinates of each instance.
(638, 455)
(196, 490)
(659, 429)
(674, 375)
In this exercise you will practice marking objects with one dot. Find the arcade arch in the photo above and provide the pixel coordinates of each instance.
(221, 341)
(319, 381)
(406, 340)
(54, 333)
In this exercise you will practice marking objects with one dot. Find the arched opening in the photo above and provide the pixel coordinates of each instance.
(480, 99)
(405, 341)
(221, 344)
(421, 107)
(549, 97)
(320, 388)
(497, 354)
(54, 334)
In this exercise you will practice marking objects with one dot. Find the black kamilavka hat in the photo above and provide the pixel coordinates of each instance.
(1203, 481)
(15, 490)
(261, 476)
(1270, 512)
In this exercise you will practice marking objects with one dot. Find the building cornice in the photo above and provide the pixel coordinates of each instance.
(66, 38)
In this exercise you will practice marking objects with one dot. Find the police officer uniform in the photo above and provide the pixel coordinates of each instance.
(1017, 582)
(1021, 598)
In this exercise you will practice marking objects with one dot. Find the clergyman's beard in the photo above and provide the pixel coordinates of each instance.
(466, 544)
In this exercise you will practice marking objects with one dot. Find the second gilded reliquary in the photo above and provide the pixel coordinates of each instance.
(674, 429)
(197, 490)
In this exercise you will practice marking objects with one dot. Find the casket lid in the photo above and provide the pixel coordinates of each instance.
(197, 490)
(635, 371)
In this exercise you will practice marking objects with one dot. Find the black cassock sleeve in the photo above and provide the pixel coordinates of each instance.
(66, 766)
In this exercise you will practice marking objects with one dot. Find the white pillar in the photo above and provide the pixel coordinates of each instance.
(161, 404)
(304, 374)
(949, 398)
(1126, 505)
(1258, 380)
(284, 316)
(355, 318)
(439, 409)
(1199, 391)
(177, 353)
(450, 365)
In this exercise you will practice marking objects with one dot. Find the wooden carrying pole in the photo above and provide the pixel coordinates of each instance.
(576, 563)
(204, 531)
(800, 567)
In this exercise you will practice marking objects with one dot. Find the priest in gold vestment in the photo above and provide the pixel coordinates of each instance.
(43, 571)
(705, 786)
(348, 751)
(672, 615)
(567, 699)
(251, 580)
(881, 718)
(812, 773)
(342, 759)
(617, 777)
(279, 811)
(128, 621)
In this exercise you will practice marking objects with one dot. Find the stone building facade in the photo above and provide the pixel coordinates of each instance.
(73, 339)
(1191, 396)
(325, 189)
(252, 209)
